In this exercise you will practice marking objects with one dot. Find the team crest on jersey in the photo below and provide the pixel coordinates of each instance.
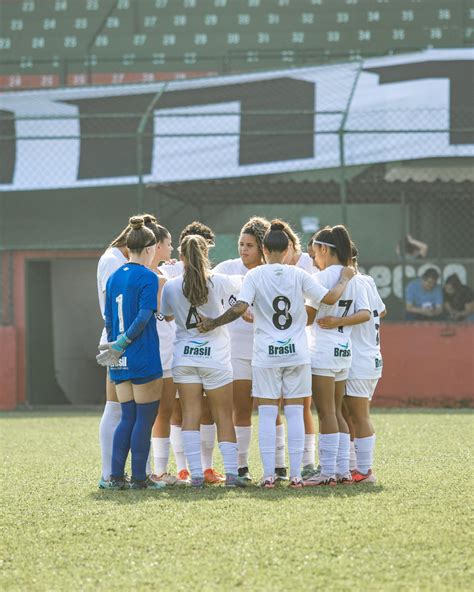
(232, 300)
(378, 363)
(282, 348)
(342, 351)
(197, 348)
(159, 317)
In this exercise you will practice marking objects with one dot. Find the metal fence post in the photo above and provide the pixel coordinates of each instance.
(140, 133)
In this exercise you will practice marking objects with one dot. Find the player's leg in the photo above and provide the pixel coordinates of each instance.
(358, 404)
(109, 421)
(242, 409)
(309, 439)
(161, 433)
(347, 417)
(343, 472)
(122, 435)
(208, 441)
(190, 395)
(147, 397)
(176, 439)
(281, 472)
(218, 385)
(323, 388)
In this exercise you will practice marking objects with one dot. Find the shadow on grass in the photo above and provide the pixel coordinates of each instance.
(213, 493)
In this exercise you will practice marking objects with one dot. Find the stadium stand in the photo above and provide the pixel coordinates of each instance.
(47, 43)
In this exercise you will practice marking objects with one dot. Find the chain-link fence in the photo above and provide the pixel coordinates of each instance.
(400, 179)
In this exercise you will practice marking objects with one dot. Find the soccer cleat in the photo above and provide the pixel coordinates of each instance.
(307, 471)
(211, 477)
(103, 483)
(146, 484)
(345, 479)
(118, 483)
(361, 478)
(296, 483)
(184, 476)
(268, 483)
(233, 481)
(319, 479)
(197, 482)
(245, 474)
(166, 478)
(281, 474)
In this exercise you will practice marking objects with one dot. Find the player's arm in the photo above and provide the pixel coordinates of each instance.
(383, 314)
(311, 314)
(231, 314)
(335, 293)
(330, 322)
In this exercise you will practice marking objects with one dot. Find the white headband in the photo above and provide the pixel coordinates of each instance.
(323, 243)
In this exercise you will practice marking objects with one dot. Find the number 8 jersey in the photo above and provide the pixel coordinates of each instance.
(278, 294)
(192, 348)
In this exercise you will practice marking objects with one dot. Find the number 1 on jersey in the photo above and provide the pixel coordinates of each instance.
(119, 301)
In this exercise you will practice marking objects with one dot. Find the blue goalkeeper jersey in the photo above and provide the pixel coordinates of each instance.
(131, 288)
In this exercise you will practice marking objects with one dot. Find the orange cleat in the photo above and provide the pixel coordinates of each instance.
(211, 477)
(184, 477)
(360, 478)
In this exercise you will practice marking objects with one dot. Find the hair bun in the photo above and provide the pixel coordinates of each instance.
(136, 222)
(149, 219)
(277, 226)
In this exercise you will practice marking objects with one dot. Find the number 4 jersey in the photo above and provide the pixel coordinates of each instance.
(278, 294)
(331, 349)
(192, 348)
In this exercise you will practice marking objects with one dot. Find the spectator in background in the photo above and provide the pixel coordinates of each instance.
(458, 300)
(424, 298)
(414, 249)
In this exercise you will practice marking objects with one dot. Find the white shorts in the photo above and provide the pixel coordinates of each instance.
(241, 369)
(167, 373)
(361, 387)
(291, 382)
(338, 375)
(210, 378)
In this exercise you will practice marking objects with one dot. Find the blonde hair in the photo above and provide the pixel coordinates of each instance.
(195, 252)
(257, 227)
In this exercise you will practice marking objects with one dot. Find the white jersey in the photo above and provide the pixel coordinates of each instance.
(192, 348)
(111, 260)
(331, 348)
(306, 263)
(278, 294)
(366, 356)
(166, 333)
(241, 332)
(172, 270)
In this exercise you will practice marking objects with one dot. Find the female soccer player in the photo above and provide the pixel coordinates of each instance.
(281, 361)
(202, 364)
(113, 258)
(208, 426)
(295, 255)
(133, 356)
(331, 355)
(241, 335)
(365, 371)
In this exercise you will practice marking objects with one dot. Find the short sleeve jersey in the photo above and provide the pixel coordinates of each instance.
(171, 270)
(278, 294)
(110, 261)
(331, 348)
(192, 348)
(241, 332)
(366, 355)
(306, 263)
(130, 289)
(166, 333)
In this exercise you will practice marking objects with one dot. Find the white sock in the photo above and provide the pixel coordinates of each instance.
(280, 447)
(309, 449)
(364, 448)
(192, 451)
(343, 454)
(328, 446)
(176, 440)
(161, 453)
(148, 461)
(244, 436)
(267, 415)
(295, 422)
(229, 456)
(208, 439)
(110, 420)
(353, 460)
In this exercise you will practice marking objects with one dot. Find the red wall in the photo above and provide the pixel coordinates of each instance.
(8, 382)
(428, 364)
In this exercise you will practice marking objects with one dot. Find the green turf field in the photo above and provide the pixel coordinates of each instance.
(413, 531)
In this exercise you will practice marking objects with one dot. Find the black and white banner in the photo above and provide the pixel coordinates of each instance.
(400, 108)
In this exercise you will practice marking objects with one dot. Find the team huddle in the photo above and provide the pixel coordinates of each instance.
(190, 350)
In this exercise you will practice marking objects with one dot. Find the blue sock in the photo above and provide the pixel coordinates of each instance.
(122, 434)
(141, 434)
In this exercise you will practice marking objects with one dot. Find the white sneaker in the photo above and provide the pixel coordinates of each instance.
(319, 479)
(164, 478)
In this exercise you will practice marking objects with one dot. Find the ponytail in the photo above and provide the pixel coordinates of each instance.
(194, 250)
